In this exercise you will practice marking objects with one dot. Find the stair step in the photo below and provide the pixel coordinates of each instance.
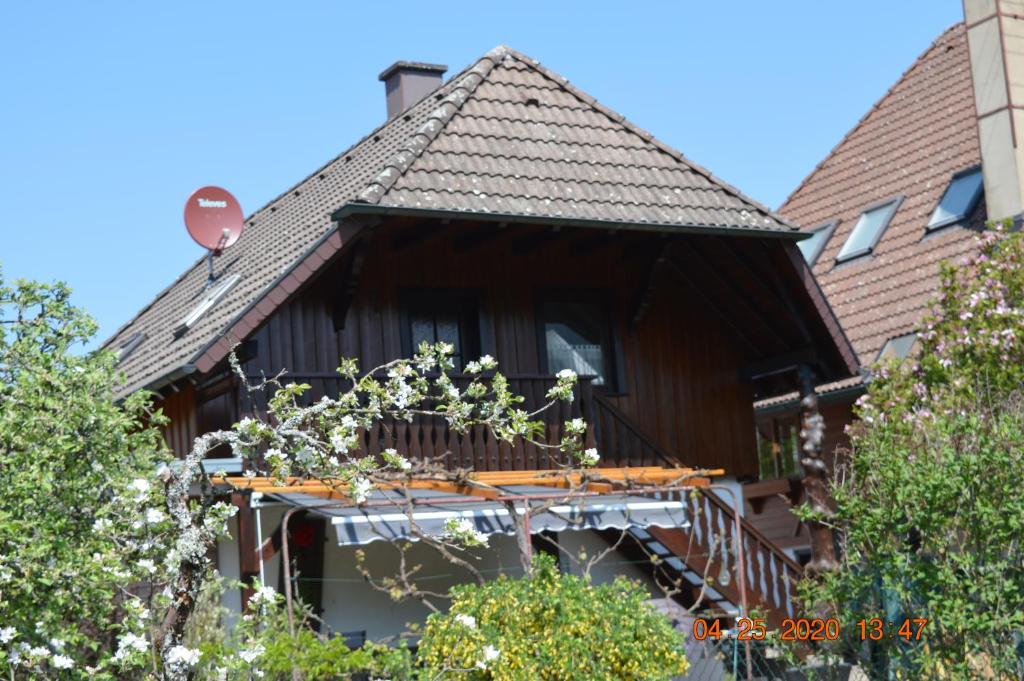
(658, 548)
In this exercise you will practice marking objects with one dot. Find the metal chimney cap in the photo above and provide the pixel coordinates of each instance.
(415, 66)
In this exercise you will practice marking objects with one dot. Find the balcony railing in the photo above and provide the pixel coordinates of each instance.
(619, 441)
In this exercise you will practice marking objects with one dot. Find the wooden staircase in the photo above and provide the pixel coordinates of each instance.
(711, 552)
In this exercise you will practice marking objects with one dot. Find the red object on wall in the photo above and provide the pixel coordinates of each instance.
(214, 218)
(303, 534)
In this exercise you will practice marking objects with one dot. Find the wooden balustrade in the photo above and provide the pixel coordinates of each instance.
(710, 547)
(430, 438)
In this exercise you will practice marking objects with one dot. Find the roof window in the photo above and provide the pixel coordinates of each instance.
(812, 246)
(868, 230)
(898, 348)
(212, 297)
(128, 346)
(959, 199)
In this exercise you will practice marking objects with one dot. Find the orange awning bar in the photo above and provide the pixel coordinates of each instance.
(485, 484)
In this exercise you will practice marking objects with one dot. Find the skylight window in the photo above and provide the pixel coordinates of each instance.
(128, 346)
(815, 244)
(958, 200)
(868, 230)
(212, 297)
(899, 347)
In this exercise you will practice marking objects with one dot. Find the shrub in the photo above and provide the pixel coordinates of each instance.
(551, 626)
(262, 647)
(929, 506)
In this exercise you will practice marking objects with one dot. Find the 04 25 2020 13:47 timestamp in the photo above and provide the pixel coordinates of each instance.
(811, 629)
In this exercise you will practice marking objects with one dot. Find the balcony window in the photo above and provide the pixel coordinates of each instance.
(442, 316)
(959, 199)
(868, 230)
(576, 337)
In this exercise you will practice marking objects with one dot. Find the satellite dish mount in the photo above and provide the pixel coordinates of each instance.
(214, 220)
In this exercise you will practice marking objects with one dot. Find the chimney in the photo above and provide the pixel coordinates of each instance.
(995, 38)
(407, 82)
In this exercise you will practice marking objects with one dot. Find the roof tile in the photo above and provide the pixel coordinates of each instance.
(505, 135)
(910, 143)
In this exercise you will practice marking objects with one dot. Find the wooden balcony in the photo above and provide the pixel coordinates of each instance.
(618, 440)
(710, 546)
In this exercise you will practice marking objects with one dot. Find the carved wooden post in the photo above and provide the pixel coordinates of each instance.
(816, 474)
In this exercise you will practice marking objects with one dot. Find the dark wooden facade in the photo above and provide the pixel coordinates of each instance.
(692, 328)
(684, 315)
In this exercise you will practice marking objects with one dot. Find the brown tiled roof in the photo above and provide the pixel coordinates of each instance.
(504, 136)
(853, 384)
(909, 144)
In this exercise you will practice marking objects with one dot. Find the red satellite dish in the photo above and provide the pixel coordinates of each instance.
(214, 218)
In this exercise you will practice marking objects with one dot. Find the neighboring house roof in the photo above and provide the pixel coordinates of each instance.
(908, 144)
(505, 136)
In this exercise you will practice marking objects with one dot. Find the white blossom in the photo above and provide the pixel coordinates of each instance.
(7, 634)
(147, 565)
(249, 655)
(392, 457)
(154, 515)
(62, 662)
(128, 643)
(141, 486)
(360, 488)
(467, 620)
(576, 426)
(490, 654)
(182, 655)
(263, 595)
(463, 531)
(566, 374)
(590, 457)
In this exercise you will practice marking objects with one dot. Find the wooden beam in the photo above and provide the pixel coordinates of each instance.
(593, 242)
(740, 334)
(487, 481)
(773, 278)
(417, 234)
(789, 361)
(351, 285)
(645, 294)
(739, 298)
(479, 236)
(531, 242)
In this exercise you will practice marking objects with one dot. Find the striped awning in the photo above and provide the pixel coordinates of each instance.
(393, 515)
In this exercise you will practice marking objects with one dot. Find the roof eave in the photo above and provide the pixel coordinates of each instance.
(359, 208)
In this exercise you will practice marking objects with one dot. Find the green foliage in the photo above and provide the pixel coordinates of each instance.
(550, 626)
(262, 647)
(68, 454)
(929, 505)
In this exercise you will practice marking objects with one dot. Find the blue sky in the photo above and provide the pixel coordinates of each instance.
(112, 113)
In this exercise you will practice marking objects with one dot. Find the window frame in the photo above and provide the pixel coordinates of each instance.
(613, 357)
(211, 297)
(829, 228)
(895, 202)
(129, 345)
(971, 205)
(462, 298)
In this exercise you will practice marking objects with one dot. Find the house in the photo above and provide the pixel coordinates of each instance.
(907, 188)
(508, 213)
